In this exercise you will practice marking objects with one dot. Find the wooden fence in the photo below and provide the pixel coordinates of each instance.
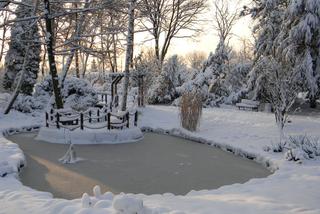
(91, 119)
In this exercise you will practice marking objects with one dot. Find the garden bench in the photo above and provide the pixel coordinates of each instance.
(248, 105)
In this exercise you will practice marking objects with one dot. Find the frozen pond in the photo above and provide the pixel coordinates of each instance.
(156, 164)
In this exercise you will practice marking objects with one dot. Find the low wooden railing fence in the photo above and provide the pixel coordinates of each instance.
(91, 119)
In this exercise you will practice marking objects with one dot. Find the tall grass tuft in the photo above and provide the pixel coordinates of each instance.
(190, 110)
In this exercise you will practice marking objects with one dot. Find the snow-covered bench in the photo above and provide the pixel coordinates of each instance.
(248, 105)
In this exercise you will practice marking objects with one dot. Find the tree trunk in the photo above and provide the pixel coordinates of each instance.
(114, 49)
(4, 31)
(77, 63)
(129, 53)
(313, 102)
(51, 57)
(43, 63)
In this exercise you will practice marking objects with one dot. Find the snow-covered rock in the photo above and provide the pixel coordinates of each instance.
(128, 205)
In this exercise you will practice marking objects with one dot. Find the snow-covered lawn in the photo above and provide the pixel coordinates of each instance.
(293, 188)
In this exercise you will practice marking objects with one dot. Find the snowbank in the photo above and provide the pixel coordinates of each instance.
(87, 136)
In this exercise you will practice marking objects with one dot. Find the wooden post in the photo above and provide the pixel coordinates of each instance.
(90, 116)
(128, 121)
(51, 113)
(109, 120)
(47, 118)
(142, 92)
(81, 121)
(98, 115)
(136, 118)
(58, 120)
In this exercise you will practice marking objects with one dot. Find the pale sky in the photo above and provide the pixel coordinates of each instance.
(208, 40)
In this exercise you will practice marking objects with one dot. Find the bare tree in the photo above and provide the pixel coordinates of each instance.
(282, 87)
(224, 20)
(195, 59)
(167, 19)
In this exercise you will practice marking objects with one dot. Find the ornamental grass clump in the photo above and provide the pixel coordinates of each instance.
(190, 110)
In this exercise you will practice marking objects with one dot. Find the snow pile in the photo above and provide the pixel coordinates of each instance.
(90, 136)
(121, 204)
(11, 156)
(125, 204)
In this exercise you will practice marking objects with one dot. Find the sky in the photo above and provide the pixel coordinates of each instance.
(207, 41)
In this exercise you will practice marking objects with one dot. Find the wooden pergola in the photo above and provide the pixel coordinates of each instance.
(116, 79)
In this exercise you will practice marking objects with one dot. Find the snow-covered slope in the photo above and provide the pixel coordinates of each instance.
(293, 188)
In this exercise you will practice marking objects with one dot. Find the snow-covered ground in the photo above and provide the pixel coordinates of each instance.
(293, 188)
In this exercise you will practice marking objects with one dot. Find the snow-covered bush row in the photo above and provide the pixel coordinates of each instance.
(77, 94)
(297, 148)
(220, 80)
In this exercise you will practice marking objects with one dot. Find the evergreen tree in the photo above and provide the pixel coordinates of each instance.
(269, 18)
(22, 33)
(300, 41)
(209, 80)
(164, 86)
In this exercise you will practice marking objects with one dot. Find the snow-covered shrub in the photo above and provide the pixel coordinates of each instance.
(190, 110)
(77, 94)
(27, 104)
(297, 148)
(307, 146)
(276, 147)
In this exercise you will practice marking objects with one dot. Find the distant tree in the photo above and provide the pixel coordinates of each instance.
(196, 59)
(94, 67)
(167, 19)
(23, 33)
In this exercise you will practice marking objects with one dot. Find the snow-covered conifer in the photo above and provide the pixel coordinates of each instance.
(22, 33)
(300, 41)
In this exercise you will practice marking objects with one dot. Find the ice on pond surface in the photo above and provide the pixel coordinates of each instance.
(157, 164)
